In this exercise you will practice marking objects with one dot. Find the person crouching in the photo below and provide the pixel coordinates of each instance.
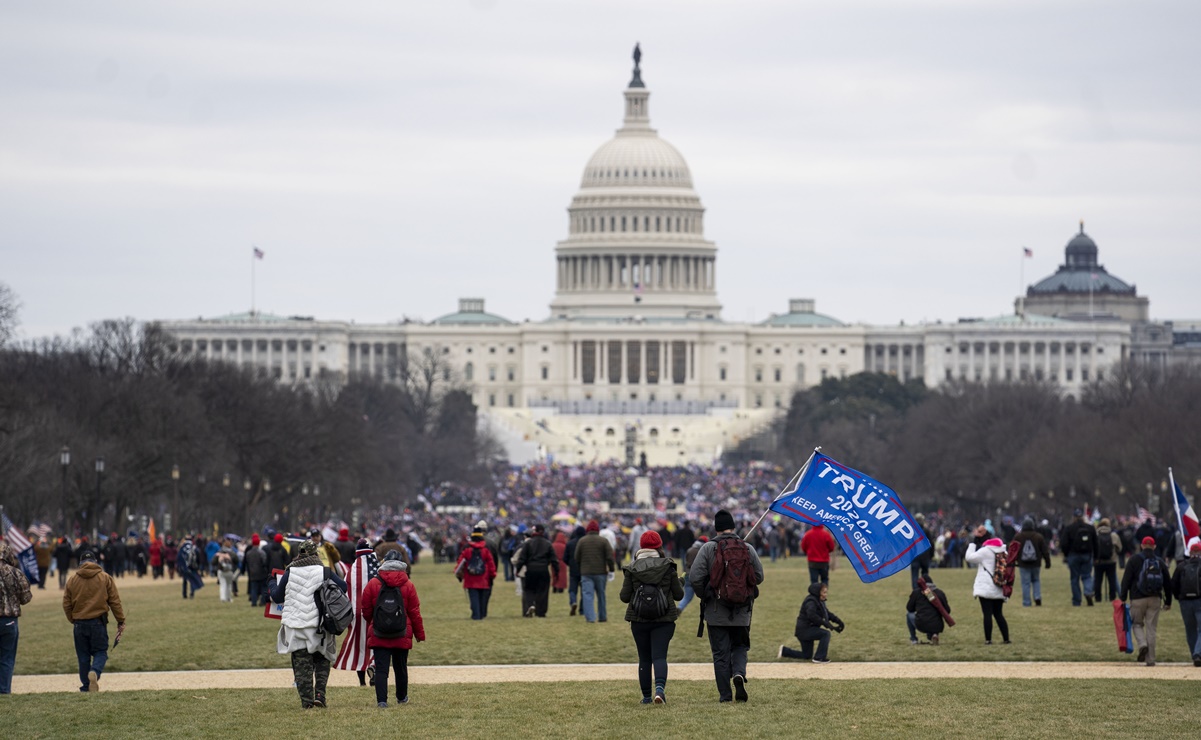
(814, 624)
(927, 611)
(310, 648)
(392, 611)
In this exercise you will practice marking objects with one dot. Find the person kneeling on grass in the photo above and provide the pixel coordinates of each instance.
(810, 622)
(928, 611)
(651, 588)
(392, 611)
(311, 649)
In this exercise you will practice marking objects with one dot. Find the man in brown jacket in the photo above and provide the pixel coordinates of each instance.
(87, 600)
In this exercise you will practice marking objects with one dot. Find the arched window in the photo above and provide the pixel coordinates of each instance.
(800, 372)
(468, 371)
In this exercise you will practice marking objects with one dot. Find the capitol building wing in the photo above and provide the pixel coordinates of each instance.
(635, 351)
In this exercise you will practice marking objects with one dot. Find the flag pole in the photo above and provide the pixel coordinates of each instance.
(252, 258)
(787, 486)
(1176, 506)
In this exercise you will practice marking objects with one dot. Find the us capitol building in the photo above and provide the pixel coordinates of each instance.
(635, 350)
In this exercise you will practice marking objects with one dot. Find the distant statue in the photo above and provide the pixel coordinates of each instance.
(636, 81)
(637, 54)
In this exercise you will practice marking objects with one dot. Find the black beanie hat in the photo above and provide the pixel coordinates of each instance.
(723, 521)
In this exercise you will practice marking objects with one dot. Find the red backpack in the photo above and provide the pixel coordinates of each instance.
(732, 576)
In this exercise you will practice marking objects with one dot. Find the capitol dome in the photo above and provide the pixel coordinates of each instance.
(635, 245)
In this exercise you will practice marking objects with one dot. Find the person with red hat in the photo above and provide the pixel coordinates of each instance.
(345, 547)
(651, 588)
(1143, 585)
(595, 556)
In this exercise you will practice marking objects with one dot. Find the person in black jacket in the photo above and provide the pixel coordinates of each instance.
(922, 614)
(254, 563)
(573, 568)
(652, 630)
(278, 556)
(62, 558)
(810, 622)
(536, 555)
(1078, 545)
(1145, 599)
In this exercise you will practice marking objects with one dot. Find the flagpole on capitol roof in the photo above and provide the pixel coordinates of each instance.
(787, 487)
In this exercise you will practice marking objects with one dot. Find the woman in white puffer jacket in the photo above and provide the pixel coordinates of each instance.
(992, 599)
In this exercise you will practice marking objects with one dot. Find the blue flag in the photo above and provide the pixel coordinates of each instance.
(866, 517)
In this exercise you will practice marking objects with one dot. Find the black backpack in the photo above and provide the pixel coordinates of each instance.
(1029, 552)
(1150, 577)
(389, 620)
(649, 602)
(475, 563)
(1104, 546)
(1190, 579)
(333, 608)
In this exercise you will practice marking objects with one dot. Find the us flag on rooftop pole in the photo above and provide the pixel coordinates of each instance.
(354, 655)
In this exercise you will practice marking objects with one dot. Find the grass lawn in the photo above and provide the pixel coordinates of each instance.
(167, 633)
(896, 708)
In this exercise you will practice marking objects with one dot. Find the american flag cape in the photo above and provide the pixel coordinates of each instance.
(354, 655)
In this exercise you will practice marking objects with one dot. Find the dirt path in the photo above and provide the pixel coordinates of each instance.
(282, 678)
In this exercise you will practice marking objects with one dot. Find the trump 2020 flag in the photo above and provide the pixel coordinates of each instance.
(872, 526)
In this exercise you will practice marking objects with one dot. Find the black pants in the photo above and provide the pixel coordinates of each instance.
(729, 646)
(652, 639)
(535, 592)
(399, 658)
(1102, 571)
(992, 610)
(807, 637)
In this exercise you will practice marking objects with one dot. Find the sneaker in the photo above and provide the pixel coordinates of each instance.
(740, 688)
(1006, 642)
(1088, 600)
(1142, 654)
(93, 681)
(1038, 602)
(1197, 660)
(319, 701)
(647, 700)
(660, 697)
(988, 642)
(821, 660)
(529, 612)
(382, 705)
(934, 640)
(780, 653)
(573, 609)
(1150, 664)
(912, 640)
(403, 701)
(371, 675)
(723, 700)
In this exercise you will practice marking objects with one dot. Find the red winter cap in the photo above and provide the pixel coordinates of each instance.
(254, 539)
(1148, 542)
(592, 527)
(650, 541)
(279, 538)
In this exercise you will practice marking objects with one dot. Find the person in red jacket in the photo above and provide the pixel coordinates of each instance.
(477, 557)
(817, 544)
(389, 647)
(559, 584)
(156, 559)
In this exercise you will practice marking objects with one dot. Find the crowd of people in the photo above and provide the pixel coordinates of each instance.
(555, 529)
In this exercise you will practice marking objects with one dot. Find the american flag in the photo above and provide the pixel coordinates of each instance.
(1027, 252)
(1145, 516)
(354, 655)
(258, 253)
(18, 541)
(41, 529)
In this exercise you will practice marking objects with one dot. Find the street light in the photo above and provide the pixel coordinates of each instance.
(246, 487)
(64, 459)
(175, 501)
(99, 476)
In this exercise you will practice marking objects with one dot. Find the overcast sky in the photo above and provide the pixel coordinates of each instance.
(889, 159)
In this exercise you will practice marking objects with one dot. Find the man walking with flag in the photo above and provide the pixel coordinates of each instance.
(726, 574)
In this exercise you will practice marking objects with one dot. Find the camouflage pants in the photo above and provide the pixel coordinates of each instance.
(312, 672)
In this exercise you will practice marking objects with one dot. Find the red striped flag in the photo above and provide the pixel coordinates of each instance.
(354, 655)
(18, 541)
(1145, 516)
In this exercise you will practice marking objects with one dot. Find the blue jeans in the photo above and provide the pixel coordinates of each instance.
(510, 573)
(91, 648)
(479, 601)
(1030, 581)
(258, 592)
(590, 585)
(1190, 609)
(1080, 571)
(688, 594)
(573, 589)
(8, 652)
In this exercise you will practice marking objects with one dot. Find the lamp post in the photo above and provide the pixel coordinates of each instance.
(225, 488)
(64, 459)
(99, 477)
(175, 498)
(246, 487)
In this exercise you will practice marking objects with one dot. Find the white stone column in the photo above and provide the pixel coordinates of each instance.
(1047, 360)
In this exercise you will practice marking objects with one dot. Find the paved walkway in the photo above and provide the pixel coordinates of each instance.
(282, 678)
